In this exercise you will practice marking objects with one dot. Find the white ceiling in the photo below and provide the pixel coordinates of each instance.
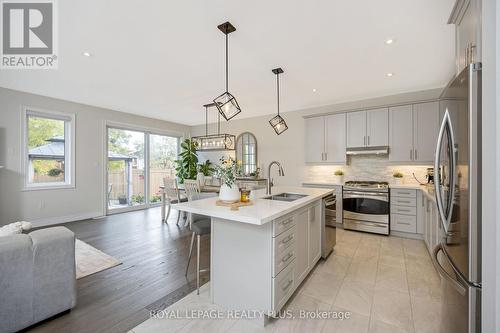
(165, 59)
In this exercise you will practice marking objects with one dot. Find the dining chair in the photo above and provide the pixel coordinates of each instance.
(199, 224)
(172, 196)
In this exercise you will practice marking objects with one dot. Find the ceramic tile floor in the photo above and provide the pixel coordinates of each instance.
(388, 284)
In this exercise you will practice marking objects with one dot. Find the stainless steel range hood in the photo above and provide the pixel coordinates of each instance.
(379, 150)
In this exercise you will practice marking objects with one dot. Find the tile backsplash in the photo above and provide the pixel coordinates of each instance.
(367, 167)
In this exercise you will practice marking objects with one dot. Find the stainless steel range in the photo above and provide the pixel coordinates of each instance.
(366, 206)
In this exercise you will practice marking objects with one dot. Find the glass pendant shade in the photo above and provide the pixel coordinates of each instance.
(279, 124)
(227, 105)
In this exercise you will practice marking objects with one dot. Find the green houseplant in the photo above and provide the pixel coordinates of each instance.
(398, 177)
(187, 165)
(206, 168)
(339, 176)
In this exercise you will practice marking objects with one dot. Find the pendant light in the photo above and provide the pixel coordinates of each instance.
(226, 103)
(214, 142)
(278, 123)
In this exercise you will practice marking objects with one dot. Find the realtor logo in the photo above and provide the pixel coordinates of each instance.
(28, 34)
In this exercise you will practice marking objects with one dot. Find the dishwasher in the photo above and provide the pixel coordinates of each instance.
(330, 233)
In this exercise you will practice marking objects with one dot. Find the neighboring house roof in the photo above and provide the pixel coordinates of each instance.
(54, 150)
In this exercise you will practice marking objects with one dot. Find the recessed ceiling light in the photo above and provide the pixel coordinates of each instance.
(389, 41)
(314, 90)
(87, 54)
(389, 74)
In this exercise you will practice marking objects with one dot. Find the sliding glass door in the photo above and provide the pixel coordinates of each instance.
(163, 151)
(137, 163)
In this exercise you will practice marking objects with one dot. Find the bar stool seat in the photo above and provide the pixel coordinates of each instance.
(201, 227)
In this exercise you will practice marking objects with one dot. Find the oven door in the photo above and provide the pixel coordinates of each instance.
(366, 206)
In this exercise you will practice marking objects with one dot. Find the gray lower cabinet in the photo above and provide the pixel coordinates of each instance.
(404, 210)
(302, 260)
(258, 267)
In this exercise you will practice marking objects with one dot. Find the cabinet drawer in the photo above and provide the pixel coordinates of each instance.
(282, 224)
(401, 192)
(404, 223)
(283, 286)
(284, 241)
(403, 201)
(405, 210)
(284, 259)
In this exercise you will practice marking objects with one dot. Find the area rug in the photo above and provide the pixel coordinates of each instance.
(90, 260)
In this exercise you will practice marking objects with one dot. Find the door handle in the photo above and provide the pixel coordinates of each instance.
(445, 220)
(458, 286)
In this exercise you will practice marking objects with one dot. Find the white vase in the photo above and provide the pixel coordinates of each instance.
(229, 194)
(339, 179)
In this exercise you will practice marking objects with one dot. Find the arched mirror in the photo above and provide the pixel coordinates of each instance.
(246, 152)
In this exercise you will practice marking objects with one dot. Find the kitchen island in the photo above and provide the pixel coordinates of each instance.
(261, 253)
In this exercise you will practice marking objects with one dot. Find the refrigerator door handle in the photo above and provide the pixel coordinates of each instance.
(457, 285)
(446, 126)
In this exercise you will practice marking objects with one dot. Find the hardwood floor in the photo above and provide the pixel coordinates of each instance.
(151, 276)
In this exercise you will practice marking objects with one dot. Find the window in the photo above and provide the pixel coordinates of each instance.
(49, 149)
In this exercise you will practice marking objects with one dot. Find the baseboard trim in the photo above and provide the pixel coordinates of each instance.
(64, 219)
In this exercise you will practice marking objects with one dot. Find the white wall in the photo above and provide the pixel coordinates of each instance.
(87, 199)
(288, 148)
(491, 166)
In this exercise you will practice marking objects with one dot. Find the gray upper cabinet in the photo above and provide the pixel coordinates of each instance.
(356, 129)
(413, 131)
(377, 127)
(325, 139)
(401, 133)
(315, 139)
(368, 128)
(466, 15)
(425, 131)
(335, 138)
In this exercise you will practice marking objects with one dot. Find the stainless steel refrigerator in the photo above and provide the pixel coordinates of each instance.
(457, 169)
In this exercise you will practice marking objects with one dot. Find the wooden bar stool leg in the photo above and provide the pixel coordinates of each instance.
(190, 253)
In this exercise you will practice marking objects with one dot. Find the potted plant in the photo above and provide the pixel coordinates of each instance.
(187, 164)
(339, 176)
(226, 172)
(122, 199)
(204, 170)
(398, 178)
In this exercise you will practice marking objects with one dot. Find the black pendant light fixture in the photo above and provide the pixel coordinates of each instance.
(214, 142)
(278, 123)
(226, 103)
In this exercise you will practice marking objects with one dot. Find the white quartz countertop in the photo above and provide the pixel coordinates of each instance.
(262, 211)
(322, 184)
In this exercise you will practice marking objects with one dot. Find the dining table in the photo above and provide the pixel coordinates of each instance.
(206, 191)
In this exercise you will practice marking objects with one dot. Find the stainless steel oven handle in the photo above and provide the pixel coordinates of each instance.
(382, 194)
(367, 196)
(459, 287)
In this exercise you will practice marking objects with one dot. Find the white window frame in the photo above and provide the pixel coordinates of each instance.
(69, 148)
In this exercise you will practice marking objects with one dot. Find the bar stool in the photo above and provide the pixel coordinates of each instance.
(200, 225)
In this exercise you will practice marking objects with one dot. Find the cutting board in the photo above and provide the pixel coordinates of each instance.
(234, 205)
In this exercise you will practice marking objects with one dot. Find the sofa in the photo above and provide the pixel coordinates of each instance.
(37, 277)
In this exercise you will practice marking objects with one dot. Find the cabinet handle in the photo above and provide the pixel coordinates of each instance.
(287, 285)
(416, 158)
(405, 223)
(368, 140)
(364, 140)
(285, 259)
(411, 154)
(326, 156)
(286, 240)
(286, 221)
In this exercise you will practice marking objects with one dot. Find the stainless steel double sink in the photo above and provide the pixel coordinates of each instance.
(285, 197)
